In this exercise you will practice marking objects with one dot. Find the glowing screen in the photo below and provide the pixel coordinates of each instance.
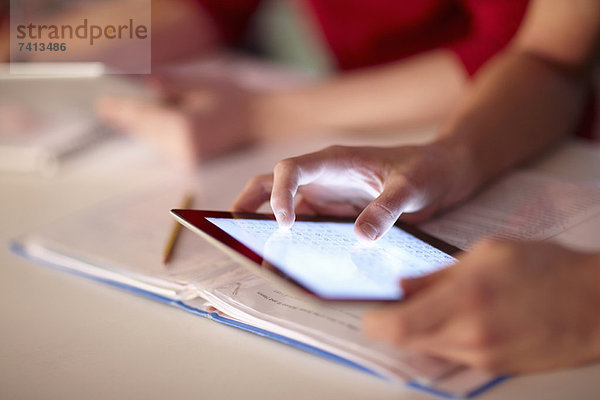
(327, 259)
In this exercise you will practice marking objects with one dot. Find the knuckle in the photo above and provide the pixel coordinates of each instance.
(336, 148)
(285, 165)
(407, 181)
(483, 336)
(337, 152)
(386, 208)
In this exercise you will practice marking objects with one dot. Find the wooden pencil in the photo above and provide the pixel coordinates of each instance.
(186, 203)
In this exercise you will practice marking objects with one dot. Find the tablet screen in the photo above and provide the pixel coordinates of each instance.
(327, 259)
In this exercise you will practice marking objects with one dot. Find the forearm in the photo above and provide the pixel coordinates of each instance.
(421, 89)
(518, 106)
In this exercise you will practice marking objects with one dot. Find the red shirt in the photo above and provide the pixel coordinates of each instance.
(363, 33)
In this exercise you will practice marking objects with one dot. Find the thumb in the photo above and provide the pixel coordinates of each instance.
(381, 214)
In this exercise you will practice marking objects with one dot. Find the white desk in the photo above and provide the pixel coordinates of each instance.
(64, 337)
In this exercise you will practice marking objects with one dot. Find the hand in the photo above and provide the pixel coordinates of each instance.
(194, 121)
(342, 181)
(505, 307)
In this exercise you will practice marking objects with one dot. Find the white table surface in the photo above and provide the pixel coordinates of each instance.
(64, 337)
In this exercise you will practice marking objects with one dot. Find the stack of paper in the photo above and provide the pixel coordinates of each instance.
(121, 244)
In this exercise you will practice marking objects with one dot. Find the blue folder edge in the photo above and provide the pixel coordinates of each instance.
(19, 250)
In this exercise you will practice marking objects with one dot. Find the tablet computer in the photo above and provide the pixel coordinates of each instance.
(321, 255)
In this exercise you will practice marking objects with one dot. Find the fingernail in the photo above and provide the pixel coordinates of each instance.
(280, 217)
(369, 230)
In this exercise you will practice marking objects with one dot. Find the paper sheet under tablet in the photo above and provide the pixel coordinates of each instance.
(326, 257)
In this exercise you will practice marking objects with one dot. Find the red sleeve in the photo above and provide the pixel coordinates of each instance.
(493, 24)
(231, 17)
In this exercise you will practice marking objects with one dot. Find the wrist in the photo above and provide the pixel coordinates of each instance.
(460, 169)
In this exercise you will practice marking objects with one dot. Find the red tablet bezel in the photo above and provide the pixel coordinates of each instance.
(198, 219)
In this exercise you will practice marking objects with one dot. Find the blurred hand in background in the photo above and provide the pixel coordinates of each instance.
(191, 121)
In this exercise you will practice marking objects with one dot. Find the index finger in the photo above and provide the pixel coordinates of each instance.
(291, 173)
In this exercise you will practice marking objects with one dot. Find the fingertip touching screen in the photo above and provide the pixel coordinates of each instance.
(325, 258)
